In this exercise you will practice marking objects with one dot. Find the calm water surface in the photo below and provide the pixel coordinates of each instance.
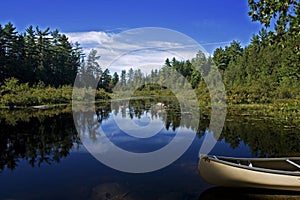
(42, 156)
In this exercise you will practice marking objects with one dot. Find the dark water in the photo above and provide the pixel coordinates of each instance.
(42, 156)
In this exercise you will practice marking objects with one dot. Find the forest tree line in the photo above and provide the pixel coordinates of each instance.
(268, 68)
(270, 64)
(37, 55)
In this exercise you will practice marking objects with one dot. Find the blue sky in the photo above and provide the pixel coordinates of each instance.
(205, 21)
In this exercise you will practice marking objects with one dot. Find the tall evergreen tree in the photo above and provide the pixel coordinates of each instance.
(115, 79)
(37, 55)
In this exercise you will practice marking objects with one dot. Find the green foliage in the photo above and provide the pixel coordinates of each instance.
(114, 80)
(284, 13)
(105, 81)
(18, 94)
(247, 95)
(89, 71)
(268, 68)
(89, 95)
(102, 94)
(15, 94)
(37, 55)
(152, 90)
(287, 93)
(223, 57)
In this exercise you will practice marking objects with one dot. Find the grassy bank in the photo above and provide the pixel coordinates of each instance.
(21, 95)
(281, 103)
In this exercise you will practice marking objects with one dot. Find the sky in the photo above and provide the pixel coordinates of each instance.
(212, 23)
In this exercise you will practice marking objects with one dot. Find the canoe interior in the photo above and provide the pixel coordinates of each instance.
(274, 164)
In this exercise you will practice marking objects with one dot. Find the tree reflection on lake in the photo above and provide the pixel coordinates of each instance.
(266, 137)
(47, 136)
(41, 138)
(36, 137)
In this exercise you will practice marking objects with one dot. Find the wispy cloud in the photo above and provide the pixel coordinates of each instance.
(216, 43)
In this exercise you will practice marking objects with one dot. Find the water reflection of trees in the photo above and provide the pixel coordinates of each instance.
(36, 139)
(168, 110)
(47, 136)
(266, 136)
(88, 120)
(12, 117)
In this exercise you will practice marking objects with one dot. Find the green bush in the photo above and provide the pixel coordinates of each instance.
(287, 93)
(248, 95)
(13, 93)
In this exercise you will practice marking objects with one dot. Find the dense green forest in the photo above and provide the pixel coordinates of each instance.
(37, 55)
(265, 71)
(269, 65)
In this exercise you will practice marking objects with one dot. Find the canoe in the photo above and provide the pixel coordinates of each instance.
(267, 173)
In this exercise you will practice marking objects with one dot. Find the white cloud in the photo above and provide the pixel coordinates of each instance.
(89, 37)
(145, 48)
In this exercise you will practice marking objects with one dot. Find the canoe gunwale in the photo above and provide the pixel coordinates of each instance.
(252, 168)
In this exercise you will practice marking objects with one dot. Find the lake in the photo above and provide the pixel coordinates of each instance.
(44, 156)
